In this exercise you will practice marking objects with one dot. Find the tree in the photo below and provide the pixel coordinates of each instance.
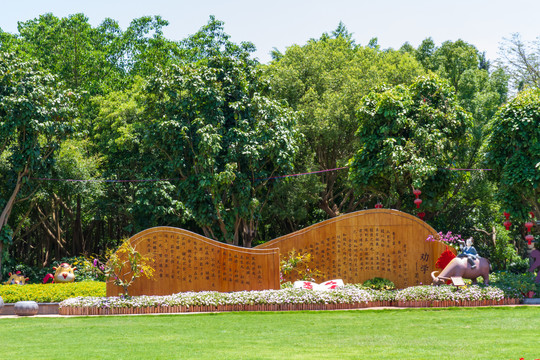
(8, 42)
(210, 41)
(513, 152)
(452, 59)
(424, 54)
(118, 140)
(522, 61)
(96, 59)
(34, 118)
(409, 136)
(216, 130)
(325, 80)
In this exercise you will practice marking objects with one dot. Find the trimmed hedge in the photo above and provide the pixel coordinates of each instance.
(46, 293)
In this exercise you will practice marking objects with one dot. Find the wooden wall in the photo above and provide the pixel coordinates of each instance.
(185, 261)
(359, 246)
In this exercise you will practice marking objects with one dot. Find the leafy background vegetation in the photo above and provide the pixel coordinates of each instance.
(217, 131)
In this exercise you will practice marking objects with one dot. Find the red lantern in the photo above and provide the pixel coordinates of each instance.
(507, 224)
(528, 225)
(506, 215)
(378, 205)
(421, 215)
(418, 202)
(417, 193)
(529, 239)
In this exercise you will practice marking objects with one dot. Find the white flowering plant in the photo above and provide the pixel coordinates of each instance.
(348, 294)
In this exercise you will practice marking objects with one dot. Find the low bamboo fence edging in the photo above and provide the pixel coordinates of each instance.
(71, 310)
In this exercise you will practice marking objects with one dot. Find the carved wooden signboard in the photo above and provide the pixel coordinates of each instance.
(185, 261)
(354, 247)
(359, 246)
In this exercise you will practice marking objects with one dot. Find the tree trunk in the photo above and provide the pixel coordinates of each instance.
(248, 232)
(77, 246)
(4, 217)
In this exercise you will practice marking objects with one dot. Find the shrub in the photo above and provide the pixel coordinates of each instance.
(296, 266)
(514, 285)
(50, 292)
(519, 266)
(123, 266)
(378, 283)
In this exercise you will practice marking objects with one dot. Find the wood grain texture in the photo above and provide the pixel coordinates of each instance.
(185, 261)
(362, 245)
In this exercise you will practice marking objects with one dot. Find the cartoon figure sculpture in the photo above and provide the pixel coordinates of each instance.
(16, 279)
(535, 264)
(469, 252)
(63, 274)
(467, 265)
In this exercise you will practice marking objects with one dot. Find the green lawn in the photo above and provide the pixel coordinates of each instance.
(458, 333)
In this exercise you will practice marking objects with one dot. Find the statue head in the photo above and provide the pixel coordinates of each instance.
(469, 241)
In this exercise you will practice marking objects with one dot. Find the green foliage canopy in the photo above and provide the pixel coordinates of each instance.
(214, 127)
(513, 152)
(408, 135)
(34, 119)
(325, 81)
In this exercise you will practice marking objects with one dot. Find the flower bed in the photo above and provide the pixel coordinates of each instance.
(50, 293)
(348, 297)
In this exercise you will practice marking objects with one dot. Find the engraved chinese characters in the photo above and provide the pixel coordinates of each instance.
(185, 261)
(373, 243)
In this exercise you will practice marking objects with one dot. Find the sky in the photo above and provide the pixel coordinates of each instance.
(282, 23)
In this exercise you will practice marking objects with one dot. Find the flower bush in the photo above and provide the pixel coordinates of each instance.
(449, 293)
(51, 292)
(123, 266)
(448, 238)
(295, 266)
(348, 294)
(345, 295)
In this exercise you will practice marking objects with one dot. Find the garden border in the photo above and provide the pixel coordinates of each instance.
(82, 311)
(43, 309)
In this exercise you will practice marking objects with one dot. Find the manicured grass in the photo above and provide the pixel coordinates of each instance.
(457, 333)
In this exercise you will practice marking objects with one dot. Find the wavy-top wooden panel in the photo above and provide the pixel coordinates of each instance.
(185, 261)
(366, 244)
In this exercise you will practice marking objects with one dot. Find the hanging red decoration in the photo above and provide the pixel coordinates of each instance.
(418, 202)
(421, 215)
(506, 215)
(532, 214)
(417, 193)
(529, 239)
(529, 226)
(507, 224)
(378, 205)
